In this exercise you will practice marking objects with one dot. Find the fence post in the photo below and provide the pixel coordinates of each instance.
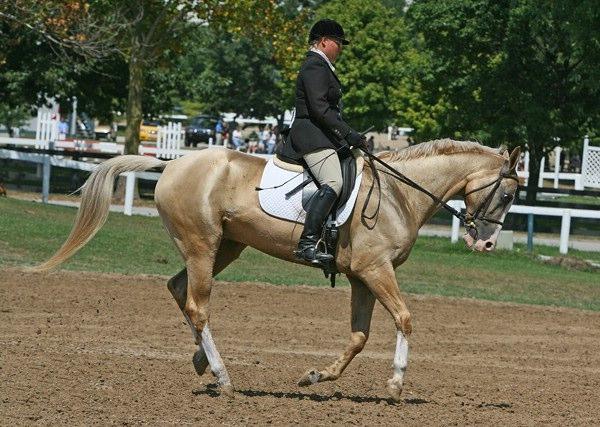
(129, 189)
(455, 229)
(557, 151)
(565, 228)
(46, 174)
(541, 177)
(530, 232)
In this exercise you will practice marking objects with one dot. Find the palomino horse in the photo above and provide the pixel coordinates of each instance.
(209, 206)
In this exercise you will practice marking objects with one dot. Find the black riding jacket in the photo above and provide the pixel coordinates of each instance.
(318, 123)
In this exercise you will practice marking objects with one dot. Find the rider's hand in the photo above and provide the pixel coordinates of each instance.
(356, 139)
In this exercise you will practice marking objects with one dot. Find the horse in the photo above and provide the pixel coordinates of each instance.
(209, 207)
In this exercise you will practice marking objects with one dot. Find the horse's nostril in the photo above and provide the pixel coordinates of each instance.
(489, 245)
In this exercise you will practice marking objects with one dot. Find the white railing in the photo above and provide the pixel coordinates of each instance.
(169, 140)
(566, 215)
(590, 168)
(46, 129)
(590, 165)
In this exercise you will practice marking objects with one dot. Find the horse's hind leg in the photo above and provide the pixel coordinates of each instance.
(362, 311)
(178, 285)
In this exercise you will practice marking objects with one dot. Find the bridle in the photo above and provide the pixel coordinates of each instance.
(481, 210)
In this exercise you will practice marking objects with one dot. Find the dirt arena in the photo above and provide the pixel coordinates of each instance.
(86, 348)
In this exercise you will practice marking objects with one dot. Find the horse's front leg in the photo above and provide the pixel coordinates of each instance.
(382, 283)
(362, 311)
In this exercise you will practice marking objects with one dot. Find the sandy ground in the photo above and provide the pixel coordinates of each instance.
(86, 348)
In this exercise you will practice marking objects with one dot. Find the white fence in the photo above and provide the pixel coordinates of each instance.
(590, 168)
(46, 130)
(169, 140)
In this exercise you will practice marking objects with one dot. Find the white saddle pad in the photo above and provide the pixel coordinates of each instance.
(273, 201)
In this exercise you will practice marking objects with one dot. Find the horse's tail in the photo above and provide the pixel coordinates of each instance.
(95, 204)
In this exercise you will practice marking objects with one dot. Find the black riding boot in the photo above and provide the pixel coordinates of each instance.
(316, 216)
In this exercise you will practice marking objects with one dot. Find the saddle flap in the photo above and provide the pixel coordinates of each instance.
(279, 200)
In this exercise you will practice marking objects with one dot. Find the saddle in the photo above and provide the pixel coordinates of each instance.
(352, 163)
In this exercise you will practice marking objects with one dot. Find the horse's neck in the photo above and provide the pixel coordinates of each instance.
(442, 175)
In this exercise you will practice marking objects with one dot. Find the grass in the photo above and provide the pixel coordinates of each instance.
(31, 232)
(583, 200)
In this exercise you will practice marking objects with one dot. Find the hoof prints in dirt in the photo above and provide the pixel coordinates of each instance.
(471, 362)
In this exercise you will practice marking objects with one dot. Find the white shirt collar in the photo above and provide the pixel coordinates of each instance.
(314, 49)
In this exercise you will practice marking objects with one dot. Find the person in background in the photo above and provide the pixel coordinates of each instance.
(272, 141)
(236, 137)
(219, 129)
(227, 143)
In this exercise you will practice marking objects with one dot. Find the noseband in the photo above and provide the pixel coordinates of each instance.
(483, 207)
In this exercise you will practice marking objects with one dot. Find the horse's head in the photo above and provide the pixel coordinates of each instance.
(488, 198)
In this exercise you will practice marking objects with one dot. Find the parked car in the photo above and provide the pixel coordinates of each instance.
(149, 130)
(200, 129)
(105, 132)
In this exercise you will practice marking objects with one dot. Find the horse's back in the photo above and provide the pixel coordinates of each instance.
(206, 172)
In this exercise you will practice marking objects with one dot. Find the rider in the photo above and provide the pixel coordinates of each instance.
(318, 130)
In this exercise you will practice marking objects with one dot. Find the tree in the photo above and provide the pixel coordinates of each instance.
(512, 72)
(372, 67)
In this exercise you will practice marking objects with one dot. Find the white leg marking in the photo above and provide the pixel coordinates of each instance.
(214, 358)
(400, 359)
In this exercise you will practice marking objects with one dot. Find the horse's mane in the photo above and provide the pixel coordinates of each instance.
(437, 147)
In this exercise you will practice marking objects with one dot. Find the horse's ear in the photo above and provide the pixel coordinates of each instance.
(503, 151)
(514, 158)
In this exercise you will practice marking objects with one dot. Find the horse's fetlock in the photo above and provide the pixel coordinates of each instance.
(359, 339)
(404, 323)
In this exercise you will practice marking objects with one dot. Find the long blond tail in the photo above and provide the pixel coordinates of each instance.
(95, 204)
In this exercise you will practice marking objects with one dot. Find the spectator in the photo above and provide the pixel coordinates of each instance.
(63, 130)
(575, 163)
(237, 138)
(219, 130)
(272, 141)
(227, 135)
(265, 137)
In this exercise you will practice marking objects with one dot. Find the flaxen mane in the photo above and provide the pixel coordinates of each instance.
(437, 147)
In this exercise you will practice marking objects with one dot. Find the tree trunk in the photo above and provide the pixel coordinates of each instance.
(134, 101)
(535, 159)
(134, 115)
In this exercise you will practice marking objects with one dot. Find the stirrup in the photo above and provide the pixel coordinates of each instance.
(312, 254)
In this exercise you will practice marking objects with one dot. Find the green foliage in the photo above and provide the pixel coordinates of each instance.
(227, 73)
(512, 72)
(371, 68)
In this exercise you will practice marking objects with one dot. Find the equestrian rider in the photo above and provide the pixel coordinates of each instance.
(318, 130)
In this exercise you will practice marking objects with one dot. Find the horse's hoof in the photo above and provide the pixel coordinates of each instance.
(311, 377)
(227, 390)
(200, 362)
(394, 390)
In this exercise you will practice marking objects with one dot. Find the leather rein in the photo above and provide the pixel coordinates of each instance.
(468, 219)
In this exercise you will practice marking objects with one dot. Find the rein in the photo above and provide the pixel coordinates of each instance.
(468, 219)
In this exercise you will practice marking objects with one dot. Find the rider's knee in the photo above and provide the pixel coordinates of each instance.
(336, 185)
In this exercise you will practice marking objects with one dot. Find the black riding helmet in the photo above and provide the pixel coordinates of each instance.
(327, 28)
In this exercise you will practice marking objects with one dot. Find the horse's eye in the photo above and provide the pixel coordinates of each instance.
(507, 197)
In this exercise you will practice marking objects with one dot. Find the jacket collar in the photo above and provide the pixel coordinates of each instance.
(312, 53)
(323, 56)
